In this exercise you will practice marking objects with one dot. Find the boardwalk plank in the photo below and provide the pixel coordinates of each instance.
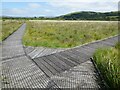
(47, 59)
(79, 55)
(63, 63)
(29, 49)
(67, 61)
(48, 66)
(43, 67)
(70, 56)
(36, 54)
(56, 62)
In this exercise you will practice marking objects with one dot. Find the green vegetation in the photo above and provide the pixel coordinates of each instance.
(8, 27)
(91, 16)
(108, 62)
(66, 34)
(84, 15)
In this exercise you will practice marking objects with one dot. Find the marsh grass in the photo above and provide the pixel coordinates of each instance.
(8, 27)
(108, 62)
(66, 34)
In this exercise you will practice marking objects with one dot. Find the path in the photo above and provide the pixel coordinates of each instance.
(35, 52)
(17, 70)
(71, 68)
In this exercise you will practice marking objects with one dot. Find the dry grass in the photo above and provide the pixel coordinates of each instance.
(67, 34)
(8, 27)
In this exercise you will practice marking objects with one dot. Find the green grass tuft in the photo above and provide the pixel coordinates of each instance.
(108, 62)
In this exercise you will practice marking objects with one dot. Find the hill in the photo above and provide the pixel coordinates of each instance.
(84, 15)
(90, 16)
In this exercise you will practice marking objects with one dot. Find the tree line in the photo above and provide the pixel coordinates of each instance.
(109, 16)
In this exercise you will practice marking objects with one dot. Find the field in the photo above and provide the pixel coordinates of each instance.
(8, 27)
(107, 60)
(66, 34)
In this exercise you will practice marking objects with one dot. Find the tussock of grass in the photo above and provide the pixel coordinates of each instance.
(8, 27)
(108, 62)
(67, 34)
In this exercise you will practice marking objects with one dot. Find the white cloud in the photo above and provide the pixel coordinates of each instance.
(60, 1)
(33, 5)
(18, 11)
(30, 9)
(86, 6)
(81, 1)
(57, 7)
(48, 10)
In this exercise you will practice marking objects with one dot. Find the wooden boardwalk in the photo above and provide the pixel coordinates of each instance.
(73, 67)
(35, 52)
(18, 71)
(31, 68)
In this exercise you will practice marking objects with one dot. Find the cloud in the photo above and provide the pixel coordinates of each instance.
(14, 11)
(86, 6)
(18, 11)
(60, 1)
(57, 7)
(80, 1)
(29, 10)
(48, 10)
(33, 5)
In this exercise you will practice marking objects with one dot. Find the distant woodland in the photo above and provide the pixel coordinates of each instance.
(84, 15)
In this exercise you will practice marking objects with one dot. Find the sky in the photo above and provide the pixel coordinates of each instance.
(51, 8)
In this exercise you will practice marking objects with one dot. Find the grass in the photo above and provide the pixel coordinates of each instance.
(108, 62)
(8, 27)
(66, 34)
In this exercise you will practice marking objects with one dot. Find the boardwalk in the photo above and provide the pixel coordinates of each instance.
(32, 68)
(34, 52)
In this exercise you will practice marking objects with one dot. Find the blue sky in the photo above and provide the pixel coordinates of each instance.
(29, 8)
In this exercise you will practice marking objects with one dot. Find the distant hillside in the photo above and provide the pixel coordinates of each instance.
(109, 16)
(90, 16)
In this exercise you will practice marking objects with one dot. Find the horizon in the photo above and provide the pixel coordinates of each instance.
(54, 9)
(53, 16)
